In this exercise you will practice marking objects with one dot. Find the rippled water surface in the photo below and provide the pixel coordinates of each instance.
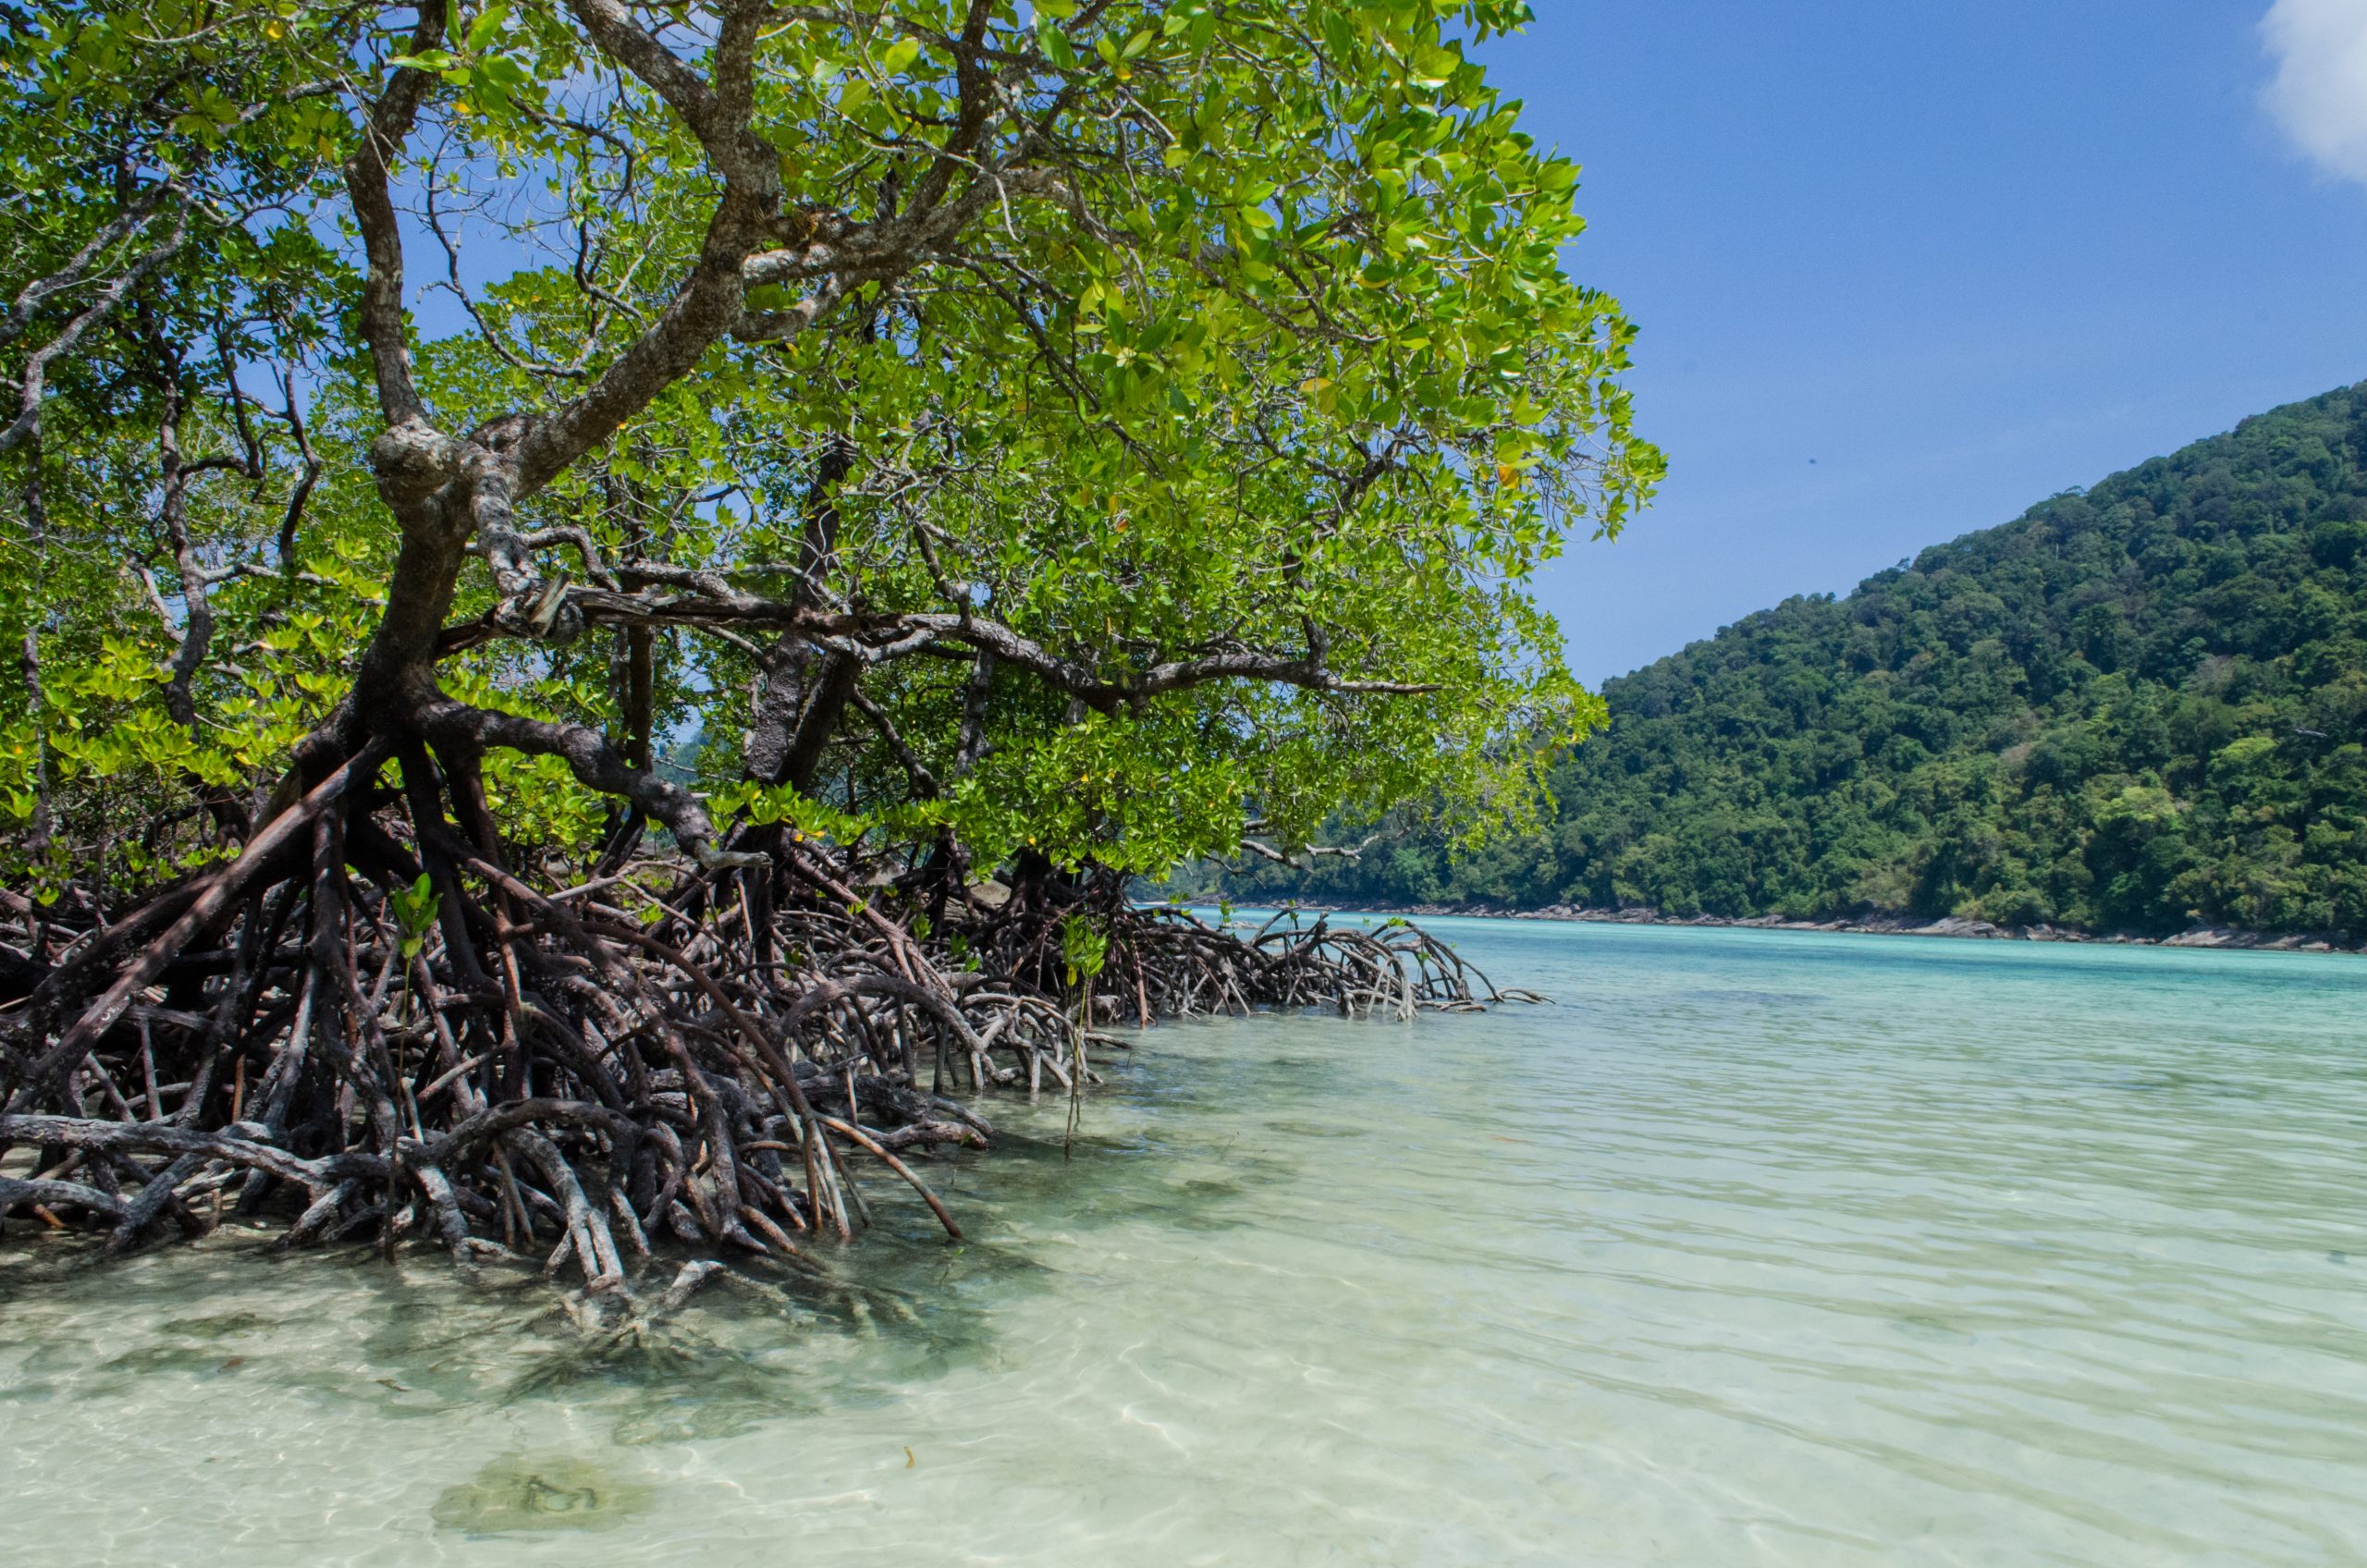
(1754, 1248)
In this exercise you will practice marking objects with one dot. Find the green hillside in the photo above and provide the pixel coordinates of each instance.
(2132, 709)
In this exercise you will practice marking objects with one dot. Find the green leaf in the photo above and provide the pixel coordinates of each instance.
(488, 27)
(1054, 43)
(1339, 38)
(502, 72)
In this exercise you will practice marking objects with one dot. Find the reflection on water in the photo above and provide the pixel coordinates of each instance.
(1756, 1248)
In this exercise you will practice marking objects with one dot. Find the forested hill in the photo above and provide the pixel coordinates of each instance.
(2135, 708)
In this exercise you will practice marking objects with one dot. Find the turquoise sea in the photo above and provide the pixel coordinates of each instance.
(1750, 1248)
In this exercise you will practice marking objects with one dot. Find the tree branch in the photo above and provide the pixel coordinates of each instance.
(366, 183)
(33, 381)
(595, 763)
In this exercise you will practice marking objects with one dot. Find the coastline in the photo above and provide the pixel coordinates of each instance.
(1955, 927)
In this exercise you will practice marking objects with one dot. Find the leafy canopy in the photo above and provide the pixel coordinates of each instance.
(1253, 343)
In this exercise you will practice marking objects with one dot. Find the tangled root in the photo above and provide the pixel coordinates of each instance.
(323, 1037)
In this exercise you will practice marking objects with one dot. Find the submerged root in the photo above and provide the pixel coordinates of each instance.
(359, 1029)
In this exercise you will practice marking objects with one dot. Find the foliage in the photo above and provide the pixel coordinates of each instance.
(2133, 709)
(1235, 340)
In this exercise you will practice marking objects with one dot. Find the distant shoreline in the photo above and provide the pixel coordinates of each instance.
(1879, 925)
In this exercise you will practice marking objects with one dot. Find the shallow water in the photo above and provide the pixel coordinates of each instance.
(1755, 1248)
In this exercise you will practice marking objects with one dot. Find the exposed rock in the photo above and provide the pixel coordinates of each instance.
(1956, 925)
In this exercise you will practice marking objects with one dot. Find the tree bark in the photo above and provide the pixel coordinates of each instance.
(797, 709)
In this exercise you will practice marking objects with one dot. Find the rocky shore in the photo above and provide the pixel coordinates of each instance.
(1894, 925)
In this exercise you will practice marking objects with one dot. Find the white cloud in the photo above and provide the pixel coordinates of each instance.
(2320, 92)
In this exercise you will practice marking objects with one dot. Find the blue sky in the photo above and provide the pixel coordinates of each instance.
(1961, 256)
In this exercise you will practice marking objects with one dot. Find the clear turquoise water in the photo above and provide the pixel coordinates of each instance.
(1755, 1248)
